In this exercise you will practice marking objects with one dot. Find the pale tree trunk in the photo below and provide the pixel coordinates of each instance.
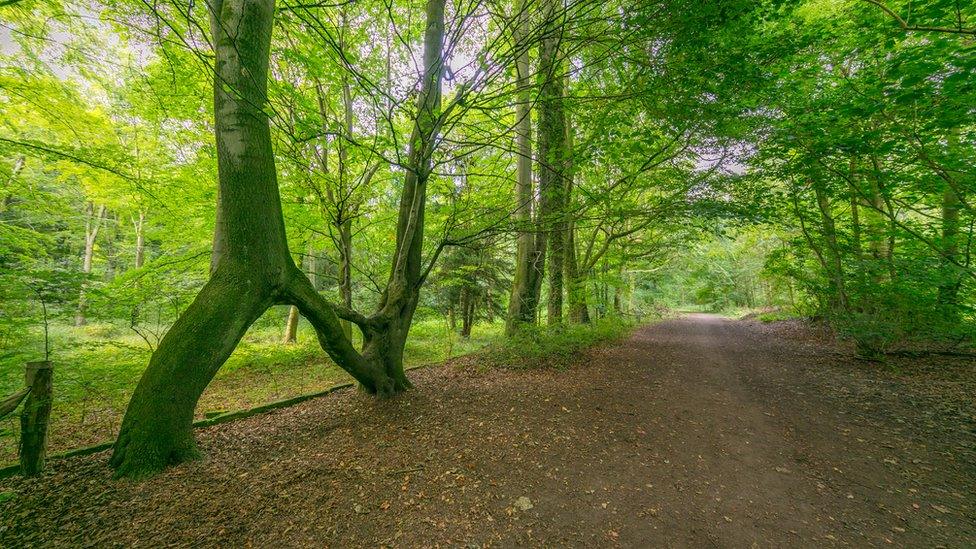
(489, 306)
(7, 189)
(291, 322)
(139, 225)
(112, 266)
(291, 326)
(253, 269)
(552, 153)
(529, 256)
(93, 222)
(952, 203)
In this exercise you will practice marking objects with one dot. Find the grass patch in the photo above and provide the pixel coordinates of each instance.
(98, 366)
(776, 316)
(554, 346)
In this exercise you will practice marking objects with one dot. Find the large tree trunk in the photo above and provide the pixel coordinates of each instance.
(253, 268)
(552, 152)
(529, 262)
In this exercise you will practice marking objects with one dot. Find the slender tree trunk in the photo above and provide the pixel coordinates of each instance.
(489, 306)
(552, 152)
(345, 270)
(291, 326)
(93, 223)
(528, 261)
(467, 312)
(112, 265)
(836, 271)
(139, 226)
(7, 190)
(575, 286)
(882, 231)
(344, 204)
(949, 286)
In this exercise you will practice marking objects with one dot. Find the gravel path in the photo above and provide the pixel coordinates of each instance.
(696, 432)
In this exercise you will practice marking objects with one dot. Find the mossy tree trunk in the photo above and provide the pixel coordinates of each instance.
(552, 152)
(252, 267)
(530, 246)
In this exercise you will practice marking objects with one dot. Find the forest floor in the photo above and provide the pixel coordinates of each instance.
(698, 431)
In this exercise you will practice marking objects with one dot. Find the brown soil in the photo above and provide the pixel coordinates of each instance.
(693, 432)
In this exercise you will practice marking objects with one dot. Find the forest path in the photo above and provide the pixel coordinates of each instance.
(697, 431)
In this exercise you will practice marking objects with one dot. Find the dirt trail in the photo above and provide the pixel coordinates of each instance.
(693, 432)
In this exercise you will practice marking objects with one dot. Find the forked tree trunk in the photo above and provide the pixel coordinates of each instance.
(529, 255)
(385, 332)
(252, 267)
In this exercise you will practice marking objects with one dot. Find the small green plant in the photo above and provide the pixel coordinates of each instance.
(776, 316)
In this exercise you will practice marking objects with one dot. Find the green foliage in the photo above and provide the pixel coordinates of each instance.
(811, 158)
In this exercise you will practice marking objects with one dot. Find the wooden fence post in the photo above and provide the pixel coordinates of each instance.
(34, 417)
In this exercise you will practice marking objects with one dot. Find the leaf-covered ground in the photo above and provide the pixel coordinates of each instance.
(693, 432)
